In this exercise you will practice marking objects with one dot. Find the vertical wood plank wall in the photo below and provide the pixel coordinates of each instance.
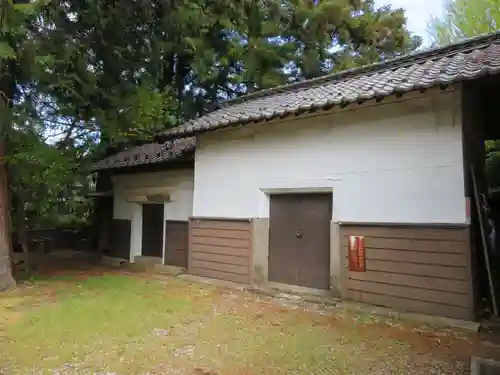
(220, 249)
(176, 243)
(422, 269)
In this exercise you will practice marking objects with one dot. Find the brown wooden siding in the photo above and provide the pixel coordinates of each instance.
(176, 243)
(120, 238)
(220, 249)
(417, 268)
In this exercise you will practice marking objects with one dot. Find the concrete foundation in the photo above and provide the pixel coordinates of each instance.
(146, 260)
(335, 260)
(481, 366)
(260, 250)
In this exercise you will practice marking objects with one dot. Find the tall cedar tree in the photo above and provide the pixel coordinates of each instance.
(121, 70)
(198, 53)
(10, 20)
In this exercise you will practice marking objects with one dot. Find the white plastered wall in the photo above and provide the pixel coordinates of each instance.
(130, 189)
(398, 161)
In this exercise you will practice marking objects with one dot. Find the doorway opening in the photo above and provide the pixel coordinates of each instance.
(481, 147)
(152, 230)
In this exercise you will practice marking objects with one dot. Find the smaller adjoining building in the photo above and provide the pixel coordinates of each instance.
(145, 198)
(358, 183)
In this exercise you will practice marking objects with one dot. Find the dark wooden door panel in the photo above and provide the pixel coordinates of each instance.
(152, 230)
(314, 245)
(176, 243)
(299, 239)
(284, 223)
(105, 224)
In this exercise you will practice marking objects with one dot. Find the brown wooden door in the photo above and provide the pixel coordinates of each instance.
(152, 230)
(299, 239)
(284, 222)
(176, 243)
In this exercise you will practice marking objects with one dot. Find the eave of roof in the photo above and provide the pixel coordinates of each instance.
(151, 153)
(466, 60)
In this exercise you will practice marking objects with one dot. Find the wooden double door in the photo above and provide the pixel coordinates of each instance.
(299, 239)
(152, 229)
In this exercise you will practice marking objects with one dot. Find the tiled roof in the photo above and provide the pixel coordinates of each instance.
(466, 60)
(148, 154)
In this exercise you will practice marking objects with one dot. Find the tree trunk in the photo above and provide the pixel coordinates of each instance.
(7, 90)
(17, 202)
(6, 279)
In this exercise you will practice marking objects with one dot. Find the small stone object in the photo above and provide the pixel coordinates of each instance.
(290, 297)
(200, 371)
(482, 366)
(160, 332)
(187, 351)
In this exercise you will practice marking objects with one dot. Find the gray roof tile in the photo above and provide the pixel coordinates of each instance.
(466, 60)
(148, 154)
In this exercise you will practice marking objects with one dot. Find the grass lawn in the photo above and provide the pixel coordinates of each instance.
(114, 323)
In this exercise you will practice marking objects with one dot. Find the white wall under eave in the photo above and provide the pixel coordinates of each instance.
(180, 206)
(179, 184)
(121, 208)
(393, 162)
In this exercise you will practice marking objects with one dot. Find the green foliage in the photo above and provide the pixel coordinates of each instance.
(492, 158)
(6, 52)
(149, 110)
(335, 35)
(47, 182)
(464, 19)
(199, 53)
